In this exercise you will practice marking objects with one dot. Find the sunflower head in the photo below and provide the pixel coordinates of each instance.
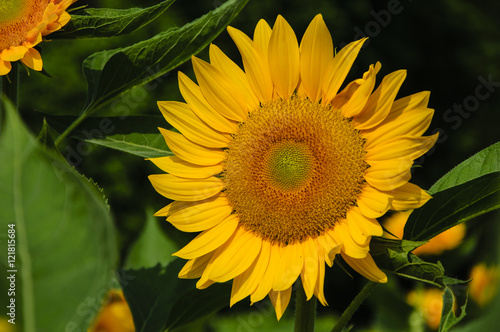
(282, 167)
(22, 25)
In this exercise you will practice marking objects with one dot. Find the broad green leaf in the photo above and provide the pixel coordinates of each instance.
(394, 256)
(152, 247)
(65, 244)
(137, 135)
(448, 318)
(484, 162)
(452, 206)
(106, 22)
(113, 72)
(160, 301)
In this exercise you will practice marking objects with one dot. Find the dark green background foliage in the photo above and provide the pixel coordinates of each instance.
(449, 47)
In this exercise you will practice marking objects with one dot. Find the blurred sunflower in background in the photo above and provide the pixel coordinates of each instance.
(114, 316)
(23, 24)
(483, 286)
(281, 170)
(447, 240)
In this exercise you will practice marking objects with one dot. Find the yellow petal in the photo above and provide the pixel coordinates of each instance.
(204, 215)
(63, 19)
(178, 167)
(309, 275)
(202, 284)
(289, 268)
(194, 267)
(339, 68)
(5, 67)
(366, 267)
(280, 301)
(330, 248)
(361, 227)
(209, 240)
(247, 282)
(181, 189)
(412, 122)
(194, 97)
(14, 53)
(284, 58)
(261, 37)
(355, 96)
(408, 196)
(389, 174)
(234, 257)
(164, 211)
(191, 152)
(341, 234)
(316, 53)
(373, 203)
(33, 59)
(267, 280)
(255, 64)
(380, 102)
(180, 205)
(191, 126)
(401, 147)
(320, 284)
(222, 62)
(219, 91)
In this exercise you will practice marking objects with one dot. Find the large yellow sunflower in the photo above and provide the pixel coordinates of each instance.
(280, 171)
(23, 23)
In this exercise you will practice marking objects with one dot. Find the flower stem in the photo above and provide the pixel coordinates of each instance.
(305, 311)
(351, 309)
(10, 84)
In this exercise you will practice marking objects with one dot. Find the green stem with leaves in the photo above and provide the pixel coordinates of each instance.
(351, 309)
(305, 311)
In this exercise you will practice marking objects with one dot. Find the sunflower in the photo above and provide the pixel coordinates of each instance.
(23, 23)
(279, 170)
(447, 240)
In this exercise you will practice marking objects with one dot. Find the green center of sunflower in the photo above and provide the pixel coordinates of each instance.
(11, 10)
(17, 18)
(293, 169)
(289, 164)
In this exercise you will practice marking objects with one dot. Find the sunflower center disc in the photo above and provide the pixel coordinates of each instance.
(289, 165)
(17, 18)
(293, 169)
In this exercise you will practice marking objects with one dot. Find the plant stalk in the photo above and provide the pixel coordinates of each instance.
(351, 309)
(305, 311)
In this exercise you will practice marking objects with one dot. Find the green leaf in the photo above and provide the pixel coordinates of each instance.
(152, 247)
(484, 162)
(160, 301)
(448, 318)
(394, 256)
(137, 135)
(106, 22)
(45, 136)
(453, 206)
(113, 72)
(64, 239)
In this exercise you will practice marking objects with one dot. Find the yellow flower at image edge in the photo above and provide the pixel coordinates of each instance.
(281, 172)
(483, 286)
(23, 23)
(114, 316)
(430, 303)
